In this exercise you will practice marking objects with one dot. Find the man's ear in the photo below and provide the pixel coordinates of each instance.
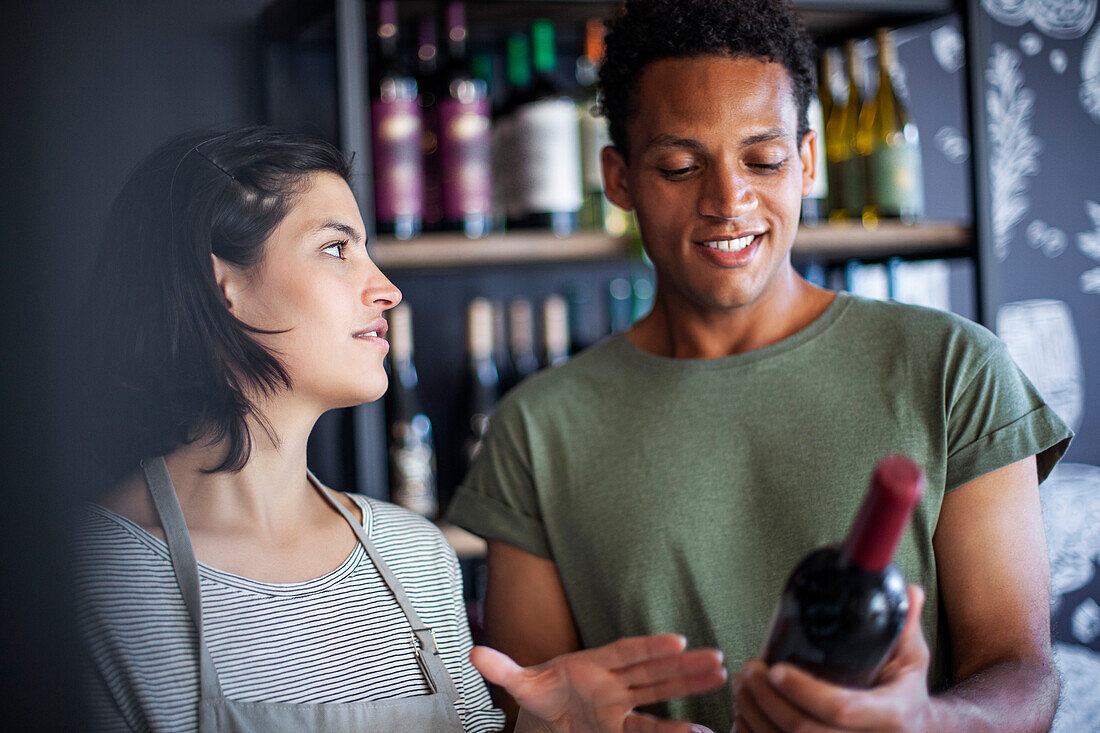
(614, 178)
(808, 153)
(228, 280)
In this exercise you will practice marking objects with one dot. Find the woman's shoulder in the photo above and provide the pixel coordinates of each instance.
(394, 528)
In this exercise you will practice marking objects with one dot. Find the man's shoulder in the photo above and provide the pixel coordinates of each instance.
(916, 327)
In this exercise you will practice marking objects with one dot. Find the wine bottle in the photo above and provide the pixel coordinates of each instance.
(396, 124)
(813, 203)
(517, 74)
(843, 607)
(429, 85)
(482, 380)
(843, 144)
(411, 446)
(545, 191)
(895, 181)
(501, 356)
(521, 342)
(555, 329)
(597, 212)
(464, 130)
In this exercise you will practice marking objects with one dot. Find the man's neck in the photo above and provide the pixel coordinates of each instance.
(685, 331)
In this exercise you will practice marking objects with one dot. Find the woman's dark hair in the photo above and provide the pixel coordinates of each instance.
(650, 30)
(175, 365)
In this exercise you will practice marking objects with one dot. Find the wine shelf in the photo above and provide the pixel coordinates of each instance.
(828, 241)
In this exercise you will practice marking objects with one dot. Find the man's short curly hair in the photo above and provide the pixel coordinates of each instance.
(650, 30)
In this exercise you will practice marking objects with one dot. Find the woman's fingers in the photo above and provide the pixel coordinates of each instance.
(696, 661)
(635, 649)
(672, 687)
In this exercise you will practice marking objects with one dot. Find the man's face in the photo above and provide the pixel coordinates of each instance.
(716, 177)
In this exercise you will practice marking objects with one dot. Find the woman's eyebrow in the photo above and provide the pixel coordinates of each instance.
(345, 229)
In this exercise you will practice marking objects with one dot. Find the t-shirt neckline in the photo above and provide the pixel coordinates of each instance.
(818, 326)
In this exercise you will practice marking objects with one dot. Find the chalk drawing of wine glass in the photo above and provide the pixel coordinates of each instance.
(1040, 336)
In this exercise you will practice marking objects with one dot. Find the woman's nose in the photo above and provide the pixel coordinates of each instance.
(379, 291)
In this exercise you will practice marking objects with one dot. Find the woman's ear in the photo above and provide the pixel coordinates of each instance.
(614, 178)
(228, 280)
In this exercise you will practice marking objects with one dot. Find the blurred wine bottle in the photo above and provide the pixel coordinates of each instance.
(814, 203)
(843, 146)
(501, 357)
(429, 85)
(482, 380)
(596, 212)
(521, 342)
(555, 329)
(464, 130)
(396, 129)
(545, 191)
(411, 445)
(896, 183)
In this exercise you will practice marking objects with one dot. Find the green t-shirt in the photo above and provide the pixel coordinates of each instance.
(676, 495)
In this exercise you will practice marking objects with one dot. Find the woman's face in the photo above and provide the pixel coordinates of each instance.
(317, 284)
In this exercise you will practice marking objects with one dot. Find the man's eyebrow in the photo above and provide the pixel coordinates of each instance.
(339, 226)
(774, 133)
(665, 140)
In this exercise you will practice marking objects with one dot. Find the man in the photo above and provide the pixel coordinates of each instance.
(669, 478)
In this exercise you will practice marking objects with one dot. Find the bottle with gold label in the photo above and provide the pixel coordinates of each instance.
(842, 144)
(895, 182)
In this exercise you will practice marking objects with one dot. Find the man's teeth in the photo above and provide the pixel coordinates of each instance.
(731, 245)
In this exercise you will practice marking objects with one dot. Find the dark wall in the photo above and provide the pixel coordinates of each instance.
(89, 88)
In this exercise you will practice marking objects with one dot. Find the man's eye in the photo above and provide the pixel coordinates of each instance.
(676, 172)
(336, 249)
(767, 166)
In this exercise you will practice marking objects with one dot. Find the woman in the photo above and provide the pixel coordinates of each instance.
(220, 585)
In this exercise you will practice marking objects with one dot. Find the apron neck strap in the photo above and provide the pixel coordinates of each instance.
(184, 564)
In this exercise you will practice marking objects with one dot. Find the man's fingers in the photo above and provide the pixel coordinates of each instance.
(496, 667)
(639, 723)
(750, 719)
(833, 705)
(635, 649)
(678, 687)
(778, 710)
(694, 662)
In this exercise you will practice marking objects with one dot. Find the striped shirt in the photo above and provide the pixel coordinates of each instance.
(334, 639)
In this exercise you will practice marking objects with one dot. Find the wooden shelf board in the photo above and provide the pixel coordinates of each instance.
(455, 250)
(831, 241)
(887, 239)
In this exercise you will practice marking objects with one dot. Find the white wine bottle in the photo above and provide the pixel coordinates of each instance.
(842, 145)
(896, 184)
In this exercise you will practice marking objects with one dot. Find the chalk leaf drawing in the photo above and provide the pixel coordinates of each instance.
(1090, 75)
(1089, 244)
(1056, 18)
(1059, 61)
(1079, 705)
(947, 47)
(1014, 149)
(1086, 621)
(953, 144)
(1041, 338)
(1051, 240)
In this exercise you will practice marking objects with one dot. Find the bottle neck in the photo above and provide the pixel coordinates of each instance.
(896, 487)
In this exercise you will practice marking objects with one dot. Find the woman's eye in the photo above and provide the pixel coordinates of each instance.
(336, 249)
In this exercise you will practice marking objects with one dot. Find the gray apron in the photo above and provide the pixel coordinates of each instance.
(218, 714)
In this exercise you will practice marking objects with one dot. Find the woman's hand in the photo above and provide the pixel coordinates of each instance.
(785, 698)
(596, 690)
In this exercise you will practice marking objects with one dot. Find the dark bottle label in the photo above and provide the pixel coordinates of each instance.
(398, 159)
(464, 157)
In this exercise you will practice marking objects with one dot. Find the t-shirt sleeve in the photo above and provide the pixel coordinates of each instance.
(997, 417)
(498, 499)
